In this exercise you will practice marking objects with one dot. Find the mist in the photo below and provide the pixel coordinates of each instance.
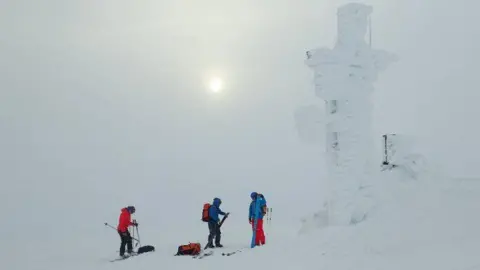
(106, 103)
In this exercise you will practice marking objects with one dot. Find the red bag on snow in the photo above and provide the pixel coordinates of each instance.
(190, 249)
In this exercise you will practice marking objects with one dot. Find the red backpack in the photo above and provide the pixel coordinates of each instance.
(205, 212)
(190, 249)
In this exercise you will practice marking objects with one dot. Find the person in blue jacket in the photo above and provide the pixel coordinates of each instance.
(214, 223)
(260, 199)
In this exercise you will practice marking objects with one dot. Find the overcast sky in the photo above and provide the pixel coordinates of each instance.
(96, 94)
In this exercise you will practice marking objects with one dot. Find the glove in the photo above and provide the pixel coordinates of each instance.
(250, 220)
(135, 223)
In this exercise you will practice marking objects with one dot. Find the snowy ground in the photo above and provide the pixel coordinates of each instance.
(419, 224)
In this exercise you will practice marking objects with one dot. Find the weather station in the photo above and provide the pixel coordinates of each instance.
(344, 78)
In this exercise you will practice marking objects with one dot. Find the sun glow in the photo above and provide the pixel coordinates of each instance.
(216, 85)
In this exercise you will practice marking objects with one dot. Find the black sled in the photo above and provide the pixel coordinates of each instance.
(145, 249)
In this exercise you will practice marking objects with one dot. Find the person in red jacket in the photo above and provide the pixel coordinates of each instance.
(124, 221)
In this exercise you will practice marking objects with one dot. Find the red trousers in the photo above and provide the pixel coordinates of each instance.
(260, 234)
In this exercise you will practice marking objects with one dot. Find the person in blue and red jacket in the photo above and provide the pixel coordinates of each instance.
(260, 234)
(124, 221)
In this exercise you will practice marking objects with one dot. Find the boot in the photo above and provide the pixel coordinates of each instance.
(219, 245)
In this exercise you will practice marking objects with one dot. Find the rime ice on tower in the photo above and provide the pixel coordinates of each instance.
(344, 77)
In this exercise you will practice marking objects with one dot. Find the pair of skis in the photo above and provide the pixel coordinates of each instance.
(210, 253)
(203, 254)
(124, 258)
(233, 252)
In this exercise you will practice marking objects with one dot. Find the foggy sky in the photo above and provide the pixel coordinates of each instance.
(101, 93)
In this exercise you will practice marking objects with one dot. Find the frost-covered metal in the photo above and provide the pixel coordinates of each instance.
(343, 78)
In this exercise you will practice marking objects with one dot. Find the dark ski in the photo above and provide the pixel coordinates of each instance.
(232, 253)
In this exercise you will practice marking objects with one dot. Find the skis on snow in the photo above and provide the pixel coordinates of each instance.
(124, 258)
(210, 253)
(203, 254)
(232, 253)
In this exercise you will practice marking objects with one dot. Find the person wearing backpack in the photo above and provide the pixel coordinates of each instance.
(260, 234)
(214, 223)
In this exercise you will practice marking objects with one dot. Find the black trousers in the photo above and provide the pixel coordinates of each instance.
(215, 233)
(126, 239)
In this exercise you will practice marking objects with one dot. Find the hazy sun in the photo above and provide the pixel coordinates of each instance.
(216, 85)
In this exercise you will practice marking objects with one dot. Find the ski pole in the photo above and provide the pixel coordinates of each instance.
(270, 220)
(108, 225)
(138, 234)
(223, 220)
(133, 233)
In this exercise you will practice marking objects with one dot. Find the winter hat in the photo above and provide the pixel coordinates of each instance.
(217, 201)
(131, 209)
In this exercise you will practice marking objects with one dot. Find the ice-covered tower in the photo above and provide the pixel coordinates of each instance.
(344, 77)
